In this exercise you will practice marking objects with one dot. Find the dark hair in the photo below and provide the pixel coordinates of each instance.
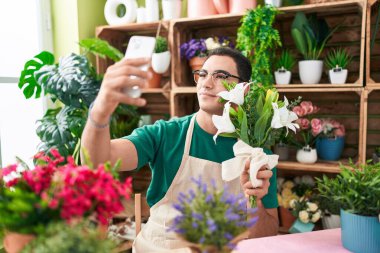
(243, 65)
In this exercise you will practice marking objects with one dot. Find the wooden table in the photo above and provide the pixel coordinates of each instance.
(312, 242)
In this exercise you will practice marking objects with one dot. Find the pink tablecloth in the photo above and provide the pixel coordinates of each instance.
(312, 242)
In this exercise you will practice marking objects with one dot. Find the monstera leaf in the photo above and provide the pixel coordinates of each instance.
(73, 81)
(27, 80)
(61, 129)
(101, 48)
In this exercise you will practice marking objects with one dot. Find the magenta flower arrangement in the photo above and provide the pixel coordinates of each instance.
(51, 191)
(211, 217)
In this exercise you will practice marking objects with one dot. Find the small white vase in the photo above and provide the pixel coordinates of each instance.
(171, 9)
(307, 155)
(275, 3)
(338, 76)
(331, 221)
(151, 11)
(282, 77)
(161, 62)
(310, 71)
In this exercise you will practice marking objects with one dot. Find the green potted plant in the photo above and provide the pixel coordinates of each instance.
(330, 212)
(284, 65)
(376, 155)
(337, 62)
(257, 39)
(357, 191)
(161, 56)
(74, 83)
(310, 36)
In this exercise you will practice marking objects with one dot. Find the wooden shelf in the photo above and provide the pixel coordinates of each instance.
(320, 166)
(320, 85)
(132, 27)
(320, 89)
(185, 90)
(153, 90)
(373, 86)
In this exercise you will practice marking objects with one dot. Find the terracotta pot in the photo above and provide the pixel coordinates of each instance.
(15, 242)
(197, 62)
(240, 6)
(287, 218)
(155, 81)
(200, 8)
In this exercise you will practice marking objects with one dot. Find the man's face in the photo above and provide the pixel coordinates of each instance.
(208, 86)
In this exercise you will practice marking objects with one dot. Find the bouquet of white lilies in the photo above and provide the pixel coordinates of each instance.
(253, 114)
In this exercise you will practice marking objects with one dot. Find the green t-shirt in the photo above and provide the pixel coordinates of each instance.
(162, 145)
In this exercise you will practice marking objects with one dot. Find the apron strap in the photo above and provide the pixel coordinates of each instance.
(189, 136)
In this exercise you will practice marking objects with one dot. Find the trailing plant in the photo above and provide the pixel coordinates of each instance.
(356, 188)
(310, 35)
(258, 39)
(161, 45)
(74, 82)
(286, 61)
(338, 58)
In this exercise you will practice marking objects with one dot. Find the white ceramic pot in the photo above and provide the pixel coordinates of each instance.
(151, 11)
(282, 77)
(161, 62)
(338, 77)
(275, 3)
(310, 71)
(331, 221)
(307, 155)
(171, 9)
(282, 150)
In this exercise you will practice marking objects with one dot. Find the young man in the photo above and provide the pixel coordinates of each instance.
(179, 149)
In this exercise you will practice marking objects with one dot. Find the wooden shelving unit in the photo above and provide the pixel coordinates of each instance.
(372, 56)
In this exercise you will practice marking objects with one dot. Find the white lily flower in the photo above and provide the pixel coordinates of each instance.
(282, 117)
(223, 123)
(236, 95)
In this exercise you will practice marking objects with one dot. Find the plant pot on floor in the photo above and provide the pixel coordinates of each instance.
(196, 62)
(310, 71)
(282, 150)
(338, 76)
(307, 155)
(330, 149)
(282, 76)
(275, 3)
(161, 62)
(360, 233)
(15, 242)
(330, 221)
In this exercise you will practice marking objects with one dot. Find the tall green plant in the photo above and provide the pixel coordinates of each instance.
(257, 39)
(74, 82)
(356, 189)
(310, 35)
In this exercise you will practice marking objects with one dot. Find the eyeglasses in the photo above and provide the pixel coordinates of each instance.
(217, 76)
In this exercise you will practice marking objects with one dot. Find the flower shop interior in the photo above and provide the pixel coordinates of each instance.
(305, 126)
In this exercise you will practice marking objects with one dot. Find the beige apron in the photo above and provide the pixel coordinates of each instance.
(154, 236)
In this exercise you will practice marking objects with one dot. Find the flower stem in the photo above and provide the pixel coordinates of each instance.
(252, 201)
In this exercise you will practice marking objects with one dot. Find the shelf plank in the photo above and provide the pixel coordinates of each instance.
(153, 90)
(326, 167)
(324, 86)
(184, 90)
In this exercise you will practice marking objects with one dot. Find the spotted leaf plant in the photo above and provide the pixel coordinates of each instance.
(256, 117)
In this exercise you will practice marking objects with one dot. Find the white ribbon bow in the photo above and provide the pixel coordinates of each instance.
(233, 168)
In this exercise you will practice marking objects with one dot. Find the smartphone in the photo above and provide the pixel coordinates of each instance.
(139, 47)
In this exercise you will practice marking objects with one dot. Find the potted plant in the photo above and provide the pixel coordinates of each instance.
(337, 62)
(376, 155)
(257, 39)
(330, 140)
(357, 190)
(284, 65)
(307, 214)
(54, 191)
(74, 82)
(310, 36)
(309, 130)
(196, 50)
(330, 212)
(161, 56)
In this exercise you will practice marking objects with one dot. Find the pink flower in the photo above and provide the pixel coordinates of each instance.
(316, 126)
(315, 109)
(304, 123)
(298, 110)
(307, 107)
(340, 131)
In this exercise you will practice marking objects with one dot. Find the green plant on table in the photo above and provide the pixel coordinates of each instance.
(161, 45)
(74, 82)
(257, 39)
(310, 35)
(338, 58)
(356, 188)
(285, 61)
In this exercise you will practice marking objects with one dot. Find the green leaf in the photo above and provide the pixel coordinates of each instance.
(27, 79)
(299, 40)
(244, 129)
(101, 48)
(261, 126)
